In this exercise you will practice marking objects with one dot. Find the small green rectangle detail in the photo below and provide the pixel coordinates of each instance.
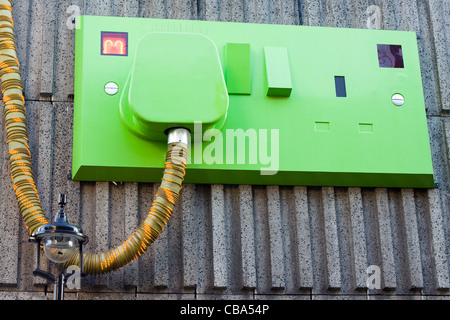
(278, 73)
(322, 126)
(237, 66)
(366, 128)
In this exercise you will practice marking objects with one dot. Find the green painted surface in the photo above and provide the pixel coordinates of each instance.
(238, 70)
(311, 137)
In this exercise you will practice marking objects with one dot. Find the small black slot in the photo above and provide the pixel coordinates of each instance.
(339, 82)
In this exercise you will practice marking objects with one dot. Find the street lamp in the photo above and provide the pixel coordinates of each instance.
(60, 241)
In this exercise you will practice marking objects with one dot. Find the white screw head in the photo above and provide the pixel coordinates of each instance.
(111, 88)
(398, 99)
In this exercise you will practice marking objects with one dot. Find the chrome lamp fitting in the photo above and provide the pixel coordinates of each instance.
(60, 240)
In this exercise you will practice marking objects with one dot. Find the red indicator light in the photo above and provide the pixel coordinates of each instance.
(114, 43)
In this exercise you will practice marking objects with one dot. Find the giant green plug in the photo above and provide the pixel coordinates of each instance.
(176, 79)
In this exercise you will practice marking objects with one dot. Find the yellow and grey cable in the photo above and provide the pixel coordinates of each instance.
(22, 175)
(154, 223)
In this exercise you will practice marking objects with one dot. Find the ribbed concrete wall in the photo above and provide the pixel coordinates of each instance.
(233, 241)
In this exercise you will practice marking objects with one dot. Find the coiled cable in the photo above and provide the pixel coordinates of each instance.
(16, 125)
(151, 227)
(24, 183)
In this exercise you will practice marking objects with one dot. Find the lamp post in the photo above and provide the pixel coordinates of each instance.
(60, 241)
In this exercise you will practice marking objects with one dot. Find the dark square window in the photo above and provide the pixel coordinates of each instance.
(390, 56)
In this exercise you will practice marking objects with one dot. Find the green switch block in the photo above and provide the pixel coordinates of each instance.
(278, 74)
(237, 68)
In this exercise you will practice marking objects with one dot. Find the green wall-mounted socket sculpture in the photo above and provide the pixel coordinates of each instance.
(265, 104)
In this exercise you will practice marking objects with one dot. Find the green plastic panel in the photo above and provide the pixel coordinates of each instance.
(277, 72)
(176, 79)
(292, 126)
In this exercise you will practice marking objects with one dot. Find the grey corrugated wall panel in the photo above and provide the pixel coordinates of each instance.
(233, 241)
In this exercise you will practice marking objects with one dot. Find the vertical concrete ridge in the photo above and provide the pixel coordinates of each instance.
(303, 238)
(385, 235)
(247, 226)
(189, 235)
(331, 238)
(219, 230)
(359, 235)
(412, 238)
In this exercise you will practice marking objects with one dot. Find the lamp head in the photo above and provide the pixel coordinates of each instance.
(60, 239)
